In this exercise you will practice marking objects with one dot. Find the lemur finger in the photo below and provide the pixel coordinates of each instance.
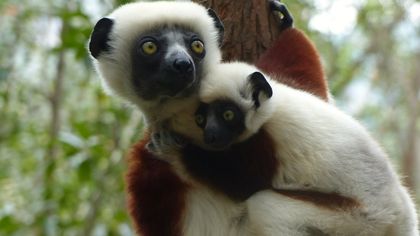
(169, 138)
(154, 145)
(150, 146)
(155, 136)
(180, 140)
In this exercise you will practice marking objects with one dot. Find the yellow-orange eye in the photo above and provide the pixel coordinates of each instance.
(197, 46)
(228, 115)
(149, 47)
(199, 119)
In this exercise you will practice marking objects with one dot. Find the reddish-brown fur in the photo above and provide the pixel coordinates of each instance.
(156, 195)
(332, 201)
(294, 61)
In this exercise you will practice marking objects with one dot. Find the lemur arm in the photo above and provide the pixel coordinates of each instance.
(292, 58)
(156, 195)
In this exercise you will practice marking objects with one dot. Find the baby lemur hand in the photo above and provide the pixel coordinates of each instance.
(166, 143)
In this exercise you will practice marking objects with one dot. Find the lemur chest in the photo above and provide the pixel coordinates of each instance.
(238, 172)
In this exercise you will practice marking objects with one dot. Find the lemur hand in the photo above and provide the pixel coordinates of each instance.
(166, 143)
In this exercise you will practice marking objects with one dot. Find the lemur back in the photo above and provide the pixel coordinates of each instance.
(315, 147)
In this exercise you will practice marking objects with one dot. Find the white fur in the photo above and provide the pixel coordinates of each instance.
(319, 148)
(211, 213)
(275, 214)
(133, 19)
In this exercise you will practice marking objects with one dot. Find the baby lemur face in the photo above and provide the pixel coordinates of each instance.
(222, 122)
(233, 105)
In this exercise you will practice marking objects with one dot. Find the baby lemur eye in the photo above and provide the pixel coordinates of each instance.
(228, 115)
(199, 119)
(197, 46)
(149, 47)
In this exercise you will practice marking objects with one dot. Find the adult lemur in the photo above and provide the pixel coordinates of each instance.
(310, 145)
(154, 54)
(150, 54)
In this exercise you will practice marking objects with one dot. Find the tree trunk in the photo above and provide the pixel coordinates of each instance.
(411, 86)
(52, 151)
(249, 27)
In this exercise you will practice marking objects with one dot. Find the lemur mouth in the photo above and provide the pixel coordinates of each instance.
(181, 92)
(188, 89)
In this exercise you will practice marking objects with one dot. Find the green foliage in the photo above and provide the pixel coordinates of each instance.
(72, 183)
(68, 179)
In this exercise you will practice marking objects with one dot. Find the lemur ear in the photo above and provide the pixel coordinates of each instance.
(218, 24)
(100, 36)
(261, 89)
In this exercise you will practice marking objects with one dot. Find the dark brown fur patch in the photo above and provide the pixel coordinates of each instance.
(239, 171)
(293, 60)
(332, 201)
(156, 195)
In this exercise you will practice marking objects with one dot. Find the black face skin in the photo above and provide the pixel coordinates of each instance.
(169, 71)
(222, 122)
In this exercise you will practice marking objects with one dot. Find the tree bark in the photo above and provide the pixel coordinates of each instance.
(410, 151)
(250, 28)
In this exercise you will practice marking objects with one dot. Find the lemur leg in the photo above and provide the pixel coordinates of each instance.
(274, 214)
(283, 15)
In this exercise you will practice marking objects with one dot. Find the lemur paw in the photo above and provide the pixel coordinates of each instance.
(282, 14)
(165, 142)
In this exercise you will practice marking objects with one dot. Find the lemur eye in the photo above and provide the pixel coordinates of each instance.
(199, 119)
(228, 115)
(149, 47)
(197, 46)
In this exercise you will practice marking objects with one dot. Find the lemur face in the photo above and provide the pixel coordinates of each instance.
(150, 52)
(232, 106)
(222, 123)
(166, 62)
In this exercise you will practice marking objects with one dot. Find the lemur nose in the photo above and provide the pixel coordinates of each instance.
(183, 66)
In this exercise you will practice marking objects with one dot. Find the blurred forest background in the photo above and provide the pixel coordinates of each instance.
(63, 140)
